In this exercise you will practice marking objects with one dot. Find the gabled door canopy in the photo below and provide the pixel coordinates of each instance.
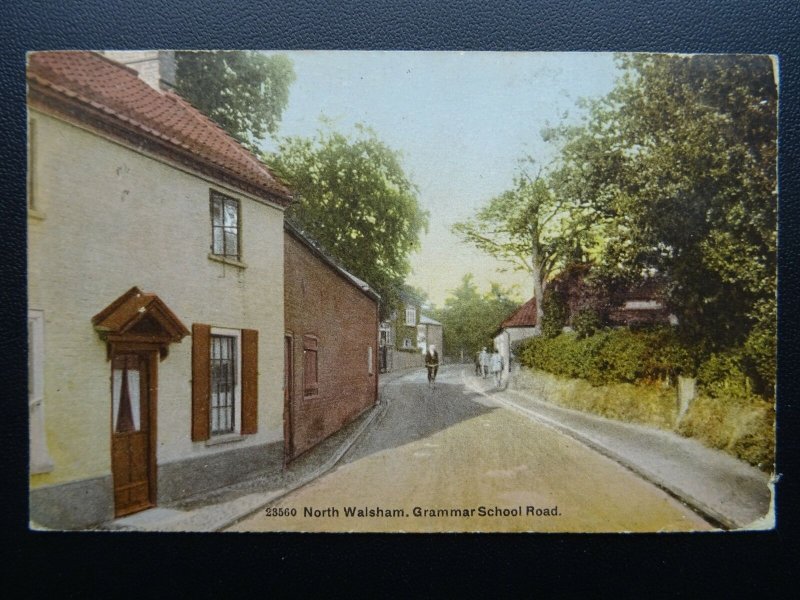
(139, 317)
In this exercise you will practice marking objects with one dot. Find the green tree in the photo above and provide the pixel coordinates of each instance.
(679, 163)
(244, 92)
(469, 319)
(353, 196)
(530, 226)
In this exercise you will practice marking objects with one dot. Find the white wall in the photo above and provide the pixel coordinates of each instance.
(109, 218)
(506, 337)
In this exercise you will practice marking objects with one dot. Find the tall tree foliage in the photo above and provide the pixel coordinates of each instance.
(469, 318)
(244, 92)
(679, 162)
(355, 199)
(530, 226)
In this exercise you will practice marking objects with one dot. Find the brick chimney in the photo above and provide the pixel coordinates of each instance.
(155, 67)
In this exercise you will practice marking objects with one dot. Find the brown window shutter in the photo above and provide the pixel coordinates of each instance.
(310, 366)
(249, 381)
(201, 381)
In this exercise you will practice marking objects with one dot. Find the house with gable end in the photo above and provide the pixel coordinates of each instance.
(155, 296)
(519, 325)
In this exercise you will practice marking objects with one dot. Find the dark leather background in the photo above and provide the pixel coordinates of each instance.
(648, 565)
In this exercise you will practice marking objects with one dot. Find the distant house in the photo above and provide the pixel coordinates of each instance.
(429, 332)
(147, 225)
(330, 344)
(519, 325)
(640, 305)
(634, 305)
(398, 335)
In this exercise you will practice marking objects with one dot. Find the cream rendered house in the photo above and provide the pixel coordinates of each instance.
(519, 325)
(155, 269)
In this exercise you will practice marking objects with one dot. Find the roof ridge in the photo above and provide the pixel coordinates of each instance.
(96, 53)
(312, 243)
(108, 110)
(110, 91)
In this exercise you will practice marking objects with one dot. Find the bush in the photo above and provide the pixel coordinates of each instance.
(622, 358)
(742, 428)
(586, 323)
(722, 376)
(615, 356)
(759, 358)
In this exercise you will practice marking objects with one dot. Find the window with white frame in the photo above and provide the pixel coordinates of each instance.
(225, 238)
(40, 461)
(411, 315)
(226, 394)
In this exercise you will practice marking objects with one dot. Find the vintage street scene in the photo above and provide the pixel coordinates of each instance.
(329, 291)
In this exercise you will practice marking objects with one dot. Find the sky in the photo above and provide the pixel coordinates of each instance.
(460, 120)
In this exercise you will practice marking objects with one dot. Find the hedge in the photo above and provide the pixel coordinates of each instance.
(609, 356)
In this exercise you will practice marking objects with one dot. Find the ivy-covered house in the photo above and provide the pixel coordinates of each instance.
(398, 335)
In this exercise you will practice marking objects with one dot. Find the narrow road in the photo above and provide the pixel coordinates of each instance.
(453, 459)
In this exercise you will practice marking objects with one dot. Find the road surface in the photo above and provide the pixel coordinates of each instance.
(454, 460)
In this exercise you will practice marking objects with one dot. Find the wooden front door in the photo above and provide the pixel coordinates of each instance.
(133, 381)
(288, 390)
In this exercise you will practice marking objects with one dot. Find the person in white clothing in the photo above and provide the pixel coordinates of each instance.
(484, 357)
(497, 367)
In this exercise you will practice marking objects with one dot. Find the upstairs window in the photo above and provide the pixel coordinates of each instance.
(225, 226)
(411, 316)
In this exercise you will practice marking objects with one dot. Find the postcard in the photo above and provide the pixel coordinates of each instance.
(385, 291)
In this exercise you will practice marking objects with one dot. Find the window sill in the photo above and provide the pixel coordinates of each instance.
(228, 438)
(36, 214)
(226, 261)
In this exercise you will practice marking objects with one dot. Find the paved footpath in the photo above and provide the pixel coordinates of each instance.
(726, 491)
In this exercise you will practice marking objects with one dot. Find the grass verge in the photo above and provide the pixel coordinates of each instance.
(743, 428)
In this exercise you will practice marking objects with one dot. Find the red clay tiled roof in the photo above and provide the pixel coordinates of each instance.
(524, 316)
(111, 93)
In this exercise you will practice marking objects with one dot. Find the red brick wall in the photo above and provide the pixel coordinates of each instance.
(322, 303)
